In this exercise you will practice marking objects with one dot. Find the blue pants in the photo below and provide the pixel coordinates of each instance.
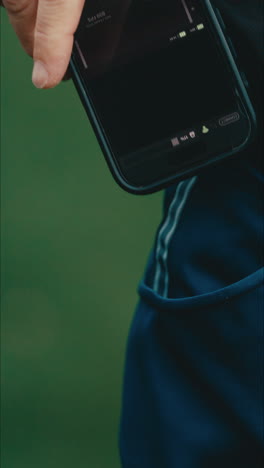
(193, 387)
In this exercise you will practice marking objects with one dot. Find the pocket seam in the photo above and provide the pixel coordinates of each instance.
(216, 297)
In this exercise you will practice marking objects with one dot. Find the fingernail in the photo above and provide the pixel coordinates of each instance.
(40, 75)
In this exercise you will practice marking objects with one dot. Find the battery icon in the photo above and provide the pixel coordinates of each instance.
(182, 34)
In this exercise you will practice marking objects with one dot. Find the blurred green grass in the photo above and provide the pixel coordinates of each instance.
(73, 248)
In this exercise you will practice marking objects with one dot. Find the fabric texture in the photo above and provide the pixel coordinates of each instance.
(193, 386)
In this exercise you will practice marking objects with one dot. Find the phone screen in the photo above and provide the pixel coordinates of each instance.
(153, 73)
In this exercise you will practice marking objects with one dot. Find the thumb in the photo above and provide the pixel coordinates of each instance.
(56, 23)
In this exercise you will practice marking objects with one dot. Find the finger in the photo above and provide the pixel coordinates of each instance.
(22, 15)
(56, 23)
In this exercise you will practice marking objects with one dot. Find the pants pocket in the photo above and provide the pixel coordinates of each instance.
(193, 389)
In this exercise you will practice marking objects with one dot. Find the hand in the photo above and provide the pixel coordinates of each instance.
(45, 29)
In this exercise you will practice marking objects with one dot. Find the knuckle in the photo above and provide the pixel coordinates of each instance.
(16, 7)
(41, 34)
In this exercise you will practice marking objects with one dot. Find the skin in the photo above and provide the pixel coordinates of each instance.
(45, 29)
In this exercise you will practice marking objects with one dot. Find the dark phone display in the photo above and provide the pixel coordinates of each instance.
(151, 69)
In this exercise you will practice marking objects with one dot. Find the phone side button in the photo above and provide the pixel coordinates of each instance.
(220, 19)
(232, 47)
(244, 78)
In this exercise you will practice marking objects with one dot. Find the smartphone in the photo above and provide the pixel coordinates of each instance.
(161, 86)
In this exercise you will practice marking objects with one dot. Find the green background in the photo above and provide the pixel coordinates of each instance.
(73, 248)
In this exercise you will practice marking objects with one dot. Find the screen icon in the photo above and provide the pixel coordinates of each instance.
(184, 138)
(205, 130)
(175, 142)
(229, 119)
(182, 34)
